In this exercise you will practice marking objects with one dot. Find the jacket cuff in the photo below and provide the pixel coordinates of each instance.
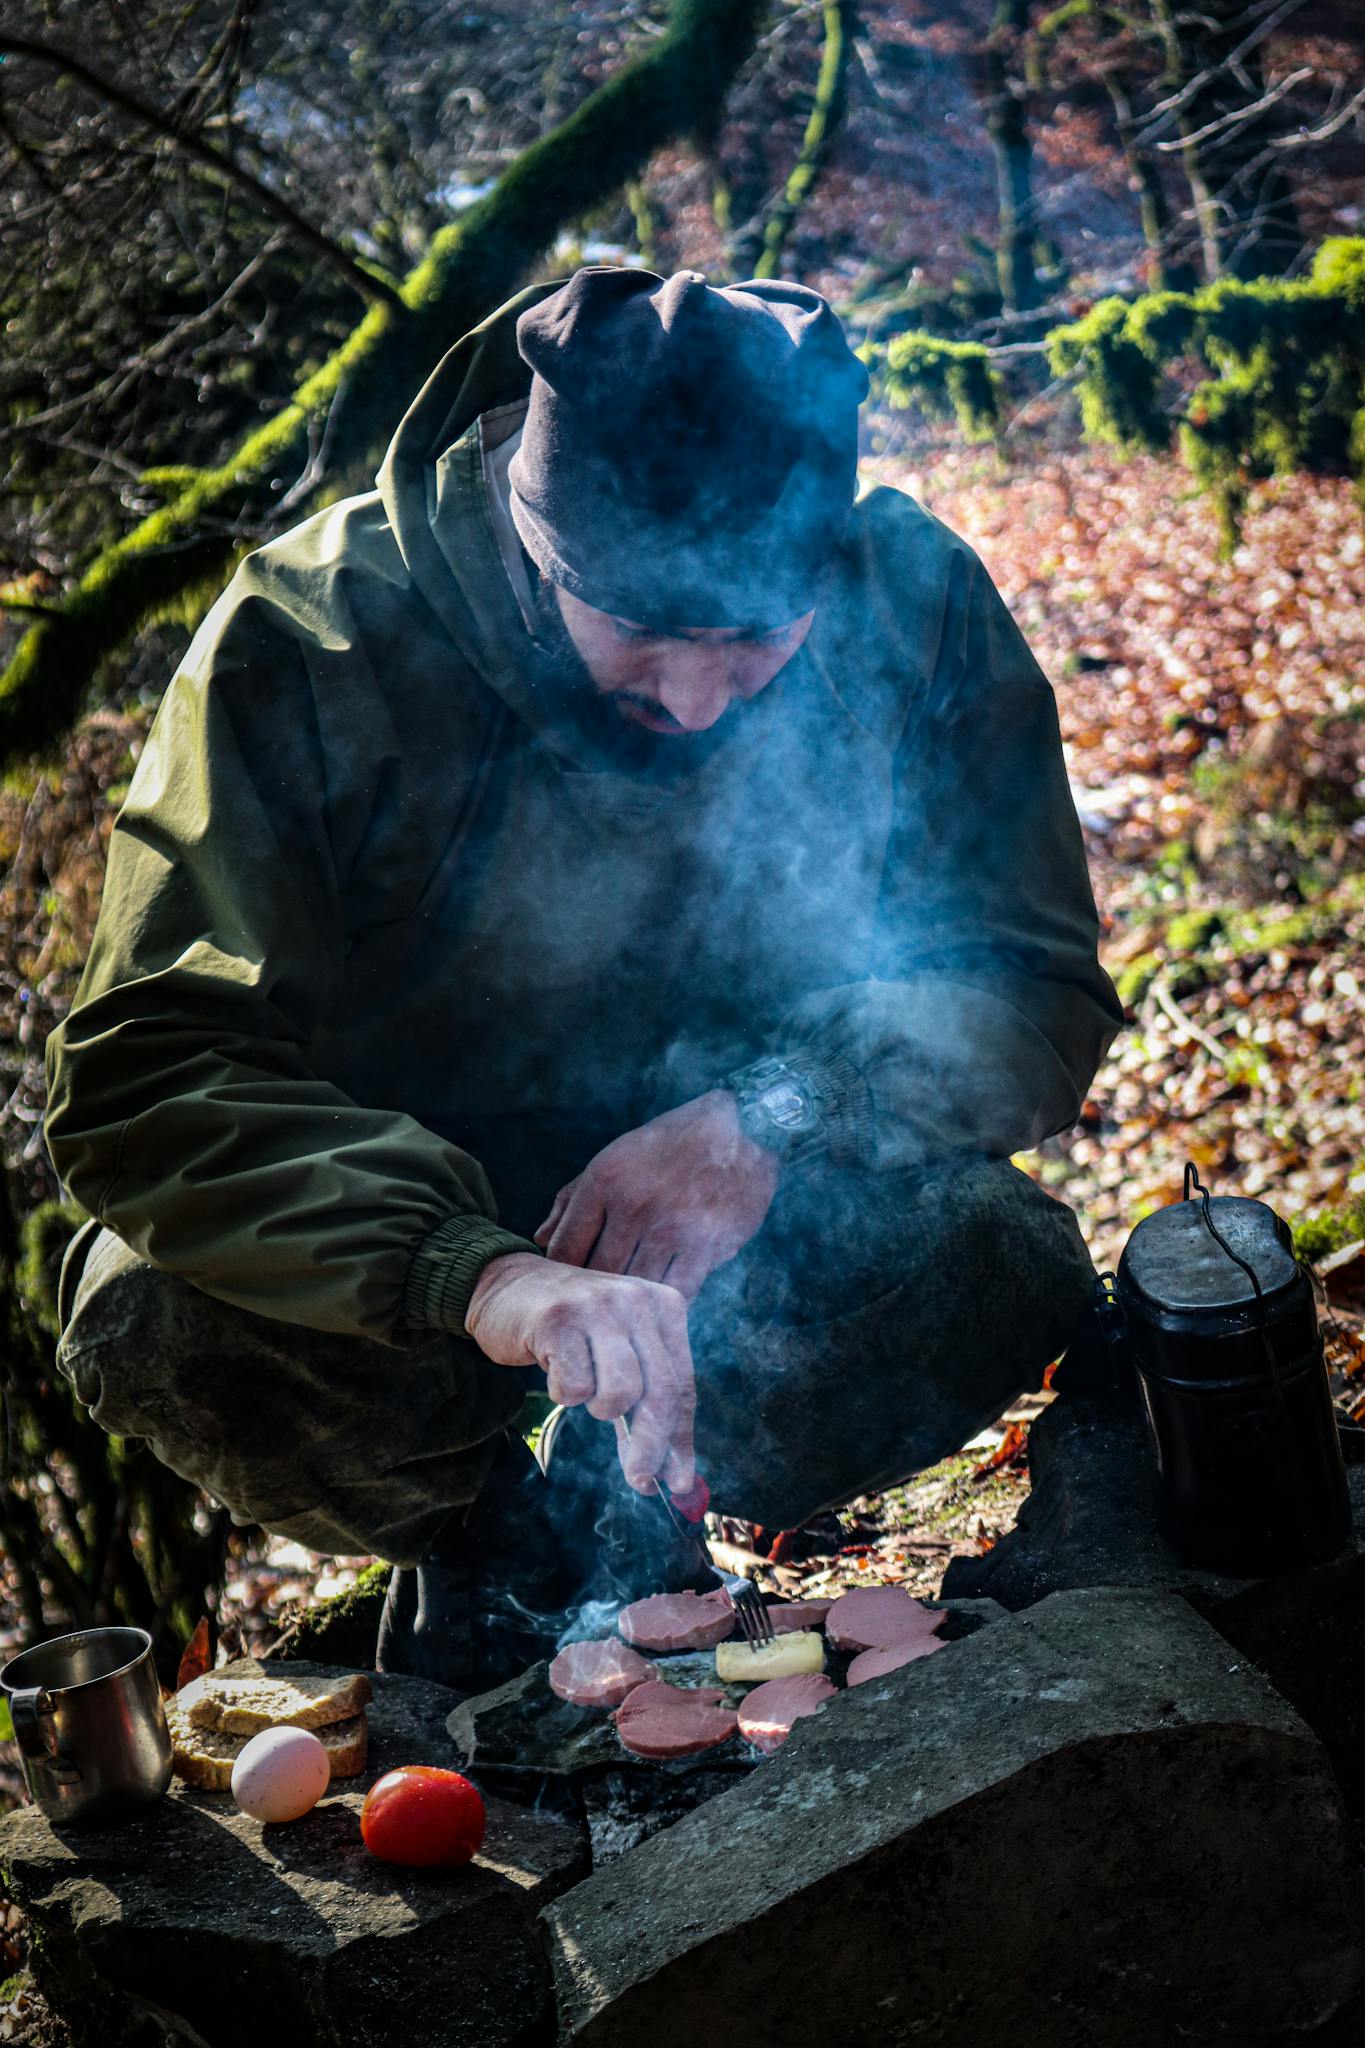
(446, 1265)
(845, 1104)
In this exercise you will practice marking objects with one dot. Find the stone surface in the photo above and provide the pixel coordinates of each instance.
(523, 1732)
(534, 1745)
(1088, 1824)
(1090, 1516)
(523, 1727)
(295, 1933)
(1306, 1632)
(1090, 1520)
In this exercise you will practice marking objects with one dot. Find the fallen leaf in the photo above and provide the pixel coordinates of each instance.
(1343, 1275)
(1010, 1447)
(198, 1657)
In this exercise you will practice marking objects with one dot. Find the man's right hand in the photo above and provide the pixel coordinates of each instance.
(617, 1343)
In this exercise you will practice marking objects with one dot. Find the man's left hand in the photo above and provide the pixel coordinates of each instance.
(670, 1201)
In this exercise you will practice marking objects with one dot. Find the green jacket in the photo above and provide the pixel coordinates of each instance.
(374, 901)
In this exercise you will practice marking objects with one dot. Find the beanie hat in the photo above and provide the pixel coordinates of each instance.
(689, 454)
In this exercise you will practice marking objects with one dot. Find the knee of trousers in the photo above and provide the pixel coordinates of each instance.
(950, 1291)
(346, 1444)
(1001, 1255)
(971, 1236)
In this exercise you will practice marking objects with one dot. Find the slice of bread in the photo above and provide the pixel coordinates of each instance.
(242, 1698)
(204, 1757)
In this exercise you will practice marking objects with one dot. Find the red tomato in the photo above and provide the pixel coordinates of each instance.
(423, 1817)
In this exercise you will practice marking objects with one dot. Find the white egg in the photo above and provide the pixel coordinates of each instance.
(281, 1774)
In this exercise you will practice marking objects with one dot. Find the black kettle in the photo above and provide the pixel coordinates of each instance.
(1222, 1327)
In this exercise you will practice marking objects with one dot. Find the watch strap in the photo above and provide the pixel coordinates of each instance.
(845, 1104)
(836, 1091)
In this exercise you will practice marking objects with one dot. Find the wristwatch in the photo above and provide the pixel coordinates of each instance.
(779, 1109)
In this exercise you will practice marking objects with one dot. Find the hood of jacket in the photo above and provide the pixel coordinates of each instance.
(431, 484)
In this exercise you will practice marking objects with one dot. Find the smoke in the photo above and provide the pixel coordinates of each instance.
(561, 1552)
(588, 1621)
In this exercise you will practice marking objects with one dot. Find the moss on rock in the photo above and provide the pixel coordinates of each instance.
(342, 1630)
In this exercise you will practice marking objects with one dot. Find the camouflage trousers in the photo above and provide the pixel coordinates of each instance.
(875, 1323)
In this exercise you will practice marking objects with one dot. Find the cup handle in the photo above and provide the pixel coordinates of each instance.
(35, 1730)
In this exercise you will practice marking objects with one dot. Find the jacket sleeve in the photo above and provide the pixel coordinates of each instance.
(183, 1112)
(987, 1012)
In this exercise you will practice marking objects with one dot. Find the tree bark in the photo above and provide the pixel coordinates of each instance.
(1006, 112)
(176, 561)
(1167, 272)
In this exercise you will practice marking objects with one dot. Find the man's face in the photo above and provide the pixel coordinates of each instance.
(675, 682)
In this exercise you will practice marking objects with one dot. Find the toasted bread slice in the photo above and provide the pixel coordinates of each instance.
(204, 1757)
(243, 1697)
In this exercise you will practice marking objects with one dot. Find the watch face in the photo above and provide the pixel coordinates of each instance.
(787, 1107)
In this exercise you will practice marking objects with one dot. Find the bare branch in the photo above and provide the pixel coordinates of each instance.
(1227, 124)
(1164, 112)
(1327, 130)
(372, 284)
(116, 382)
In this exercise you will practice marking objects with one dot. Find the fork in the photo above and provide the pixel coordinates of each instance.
(750, 1608)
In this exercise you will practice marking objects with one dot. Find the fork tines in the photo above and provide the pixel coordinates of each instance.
(752, 1610)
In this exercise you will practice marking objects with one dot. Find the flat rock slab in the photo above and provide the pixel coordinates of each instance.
(1088, 1823)
(1090, 1520)
(523, 1730)
(295, 1933)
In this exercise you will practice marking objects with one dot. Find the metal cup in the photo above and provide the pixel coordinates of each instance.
(90, 1725)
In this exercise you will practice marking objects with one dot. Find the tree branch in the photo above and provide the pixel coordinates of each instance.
(180, 555)
(1238, 118)
(114, 384)
(370, 281)
(1164, 112)
(1326, 131)
(826, 117)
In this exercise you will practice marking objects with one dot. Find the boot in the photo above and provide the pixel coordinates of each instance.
(488, 1597)
(551, 1549)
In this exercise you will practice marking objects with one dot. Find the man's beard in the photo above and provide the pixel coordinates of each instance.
(562, 673)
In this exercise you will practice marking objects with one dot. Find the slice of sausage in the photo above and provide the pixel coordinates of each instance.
(664, 1721)
(876, 1617)
(767, 1716)
(876, 1663)
(677, 1621)
(797, 1614)
(598, 1674)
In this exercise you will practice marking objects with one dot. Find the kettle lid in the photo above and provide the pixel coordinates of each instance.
(1173, 1259)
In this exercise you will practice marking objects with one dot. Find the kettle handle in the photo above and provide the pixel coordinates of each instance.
(1113, 1323)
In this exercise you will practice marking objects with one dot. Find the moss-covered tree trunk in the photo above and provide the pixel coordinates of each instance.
(826, 119)
(1166, 271)
(171, 565)
(1007, 124)
(1285, 388)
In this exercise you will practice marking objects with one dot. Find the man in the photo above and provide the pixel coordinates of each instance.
(601, 901)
